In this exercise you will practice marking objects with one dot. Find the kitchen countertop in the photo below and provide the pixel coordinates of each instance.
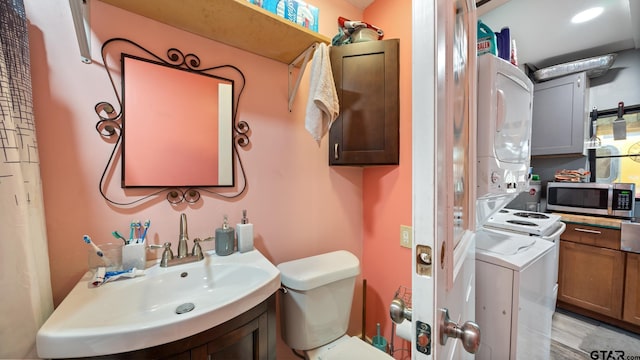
(590, 220)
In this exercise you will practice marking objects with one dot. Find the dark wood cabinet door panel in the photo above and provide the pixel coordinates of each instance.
(367, 131)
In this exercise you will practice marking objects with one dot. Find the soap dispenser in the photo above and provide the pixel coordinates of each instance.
(224, 239)
(245, 234)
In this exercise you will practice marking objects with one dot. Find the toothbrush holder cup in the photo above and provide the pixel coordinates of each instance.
(111, 259)
(134, 256)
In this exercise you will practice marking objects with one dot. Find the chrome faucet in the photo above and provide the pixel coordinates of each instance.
(183, 248)
(167, 255)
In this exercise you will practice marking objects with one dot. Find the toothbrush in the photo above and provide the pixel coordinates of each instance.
(132, 227)
(138, 230)
(117, 235)
(146, 227)
(99, 252)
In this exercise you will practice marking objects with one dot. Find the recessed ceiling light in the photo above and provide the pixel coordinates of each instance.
(587, 15)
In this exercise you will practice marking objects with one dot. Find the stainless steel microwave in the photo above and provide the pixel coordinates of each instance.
(617, 199)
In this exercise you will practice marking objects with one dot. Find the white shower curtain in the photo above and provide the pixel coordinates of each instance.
(25, 295)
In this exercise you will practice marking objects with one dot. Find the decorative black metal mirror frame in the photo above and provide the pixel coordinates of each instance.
(110, 125)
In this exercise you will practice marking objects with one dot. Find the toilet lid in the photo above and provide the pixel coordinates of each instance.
(353, 348)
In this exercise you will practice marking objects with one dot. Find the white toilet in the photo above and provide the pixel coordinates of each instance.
(314, 311)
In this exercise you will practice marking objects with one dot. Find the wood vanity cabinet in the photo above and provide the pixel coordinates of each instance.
(560, 115)
(251, 336)
(249, 341)
(367, 130)
(592, 269)
(631, 311)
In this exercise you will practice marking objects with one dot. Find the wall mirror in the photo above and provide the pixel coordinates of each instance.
(177, 128)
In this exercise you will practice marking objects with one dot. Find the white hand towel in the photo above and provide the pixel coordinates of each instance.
(322, 105)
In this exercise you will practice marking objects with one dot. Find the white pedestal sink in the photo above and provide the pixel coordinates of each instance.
(132, 314)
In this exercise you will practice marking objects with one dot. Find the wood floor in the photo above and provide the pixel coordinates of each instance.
(570, 329)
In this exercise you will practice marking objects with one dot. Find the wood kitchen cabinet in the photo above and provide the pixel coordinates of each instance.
(560, 112)
(367, 131)
(591, 277)
(592, 235)
(591, 271)
(631, 312)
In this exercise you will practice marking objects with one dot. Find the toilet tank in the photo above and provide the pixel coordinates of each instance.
(316, 306)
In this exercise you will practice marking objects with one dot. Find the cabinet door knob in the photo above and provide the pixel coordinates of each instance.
(335, 151)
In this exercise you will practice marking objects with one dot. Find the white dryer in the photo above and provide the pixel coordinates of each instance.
(505, 103)
(514, 303)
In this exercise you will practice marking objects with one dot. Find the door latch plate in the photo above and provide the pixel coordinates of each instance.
(423, 337)
(424, 260)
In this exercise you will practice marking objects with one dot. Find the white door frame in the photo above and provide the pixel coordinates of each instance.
(423, 166)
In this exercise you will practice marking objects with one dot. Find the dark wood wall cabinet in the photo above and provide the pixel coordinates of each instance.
(250, 336)
(596, 278)
(367, 130)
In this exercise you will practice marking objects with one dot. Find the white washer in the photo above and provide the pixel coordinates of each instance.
(514, 302)
(546, 226)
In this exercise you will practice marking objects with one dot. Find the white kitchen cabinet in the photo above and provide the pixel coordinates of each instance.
(560, 116)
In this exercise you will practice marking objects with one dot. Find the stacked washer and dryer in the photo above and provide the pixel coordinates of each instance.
(516, 265)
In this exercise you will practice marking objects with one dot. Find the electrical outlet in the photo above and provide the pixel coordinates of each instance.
(406, 236)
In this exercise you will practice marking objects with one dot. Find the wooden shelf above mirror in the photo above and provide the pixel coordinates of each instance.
(237, 23)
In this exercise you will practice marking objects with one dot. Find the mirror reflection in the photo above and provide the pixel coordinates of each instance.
(177, 126)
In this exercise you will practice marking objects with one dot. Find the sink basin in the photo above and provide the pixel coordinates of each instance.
(133, 314)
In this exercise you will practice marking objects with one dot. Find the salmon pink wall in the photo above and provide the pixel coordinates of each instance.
(298, 204)
(386, 190)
